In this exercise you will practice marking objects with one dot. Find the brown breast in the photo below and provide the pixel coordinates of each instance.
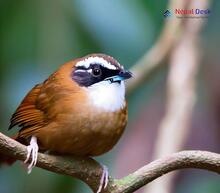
(84, 133)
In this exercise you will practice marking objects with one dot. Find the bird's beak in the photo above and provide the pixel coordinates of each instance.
(123, 75)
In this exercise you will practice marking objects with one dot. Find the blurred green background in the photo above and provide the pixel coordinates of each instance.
(36, 37)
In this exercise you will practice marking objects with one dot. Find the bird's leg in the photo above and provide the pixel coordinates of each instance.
(32, 151)
(104, 179)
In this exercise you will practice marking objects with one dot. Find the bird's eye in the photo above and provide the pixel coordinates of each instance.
(96, 71)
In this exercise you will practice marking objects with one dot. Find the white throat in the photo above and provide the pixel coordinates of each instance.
(107, 96)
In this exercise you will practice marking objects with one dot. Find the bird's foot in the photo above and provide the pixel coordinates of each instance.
(32, 151)
(104, 179)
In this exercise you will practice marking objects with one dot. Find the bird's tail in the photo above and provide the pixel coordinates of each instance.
(6, 160)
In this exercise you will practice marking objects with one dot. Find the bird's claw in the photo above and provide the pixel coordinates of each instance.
(32, 151)
(104, 179)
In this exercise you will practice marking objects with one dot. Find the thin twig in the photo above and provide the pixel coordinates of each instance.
(181, 94)
(151, 61)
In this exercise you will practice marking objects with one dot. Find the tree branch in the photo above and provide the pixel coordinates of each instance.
(185, 159)
(86, 169)
(89, 171)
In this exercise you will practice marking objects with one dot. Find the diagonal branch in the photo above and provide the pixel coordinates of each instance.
(89, 171)
(151, 61)
(181, 93)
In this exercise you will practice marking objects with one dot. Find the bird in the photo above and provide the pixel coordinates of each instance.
(80, 109)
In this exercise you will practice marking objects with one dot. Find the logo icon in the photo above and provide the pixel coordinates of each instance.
(167, 13)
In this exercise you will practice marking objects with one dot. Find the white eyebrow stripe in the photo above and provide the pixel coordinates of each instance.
(80, 70)
(93, 60)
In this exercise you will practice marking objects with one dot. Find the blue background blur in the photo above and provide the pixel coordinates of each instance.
(38, 36)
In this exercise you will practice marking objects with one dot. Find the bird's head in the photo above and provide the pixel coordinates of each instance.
(94, 69)
(102, 77)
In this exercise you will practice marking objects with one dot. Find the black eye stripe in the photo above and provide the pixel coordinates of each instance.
(85, 77)
(108, 72)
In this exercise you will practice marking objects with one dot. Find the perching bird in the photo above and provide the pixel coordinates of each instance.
(80, 109)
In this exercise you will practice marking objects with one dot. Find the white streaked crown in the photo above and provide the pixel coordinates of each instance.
(93, 60)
